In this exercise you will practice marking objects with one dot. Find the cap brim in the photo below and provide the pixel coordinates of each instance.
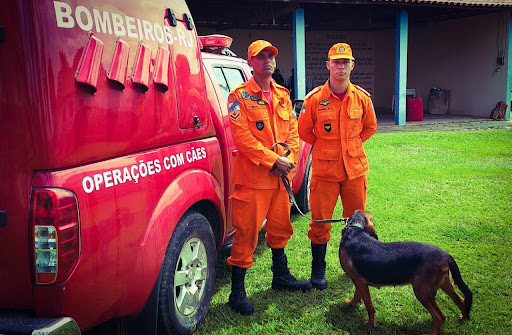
(268, 47)
(341, 56)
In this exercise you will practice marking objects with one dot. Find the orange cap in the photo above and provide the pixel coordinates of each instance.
(340, 50)
(258, 46)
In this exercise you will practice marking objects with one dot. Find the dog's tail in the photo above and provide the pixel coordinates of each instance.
(457, 279)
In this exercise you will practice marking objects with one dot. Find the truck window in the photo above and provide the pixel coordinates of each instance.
(228, 78)
(234, 77)
(222, 83)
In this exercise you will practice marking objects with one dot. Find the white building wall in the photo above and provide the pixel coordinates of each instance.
(459, 55)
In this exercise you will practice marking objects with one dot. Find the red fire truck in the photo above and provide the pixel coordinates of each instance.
(115, 166)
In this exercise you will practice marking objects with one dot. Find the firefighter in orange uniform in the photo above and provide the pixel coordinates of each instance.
(260, 112)
(336, 119)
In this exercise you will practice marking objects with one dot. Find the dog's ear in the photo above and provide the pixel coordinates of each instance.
(370, 226)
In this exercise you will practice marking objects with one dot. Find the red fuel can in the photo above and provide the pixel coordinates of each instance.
(414, 111)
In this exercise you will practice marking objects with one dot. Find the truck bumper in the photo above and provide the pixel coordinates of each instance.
(21, 324)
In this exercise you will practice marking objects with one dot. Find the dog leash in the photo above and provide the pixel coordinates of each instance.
(286, 183)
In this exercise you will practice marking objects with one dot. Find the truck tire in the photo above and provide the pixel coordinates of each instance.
(302, 196)
(188, 276)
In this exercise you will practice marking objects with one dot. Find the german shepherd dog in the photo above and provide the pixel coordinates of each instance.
(369, 262)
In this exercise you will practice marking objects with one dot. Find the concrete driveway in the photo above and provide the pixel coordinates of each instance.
(433, 122)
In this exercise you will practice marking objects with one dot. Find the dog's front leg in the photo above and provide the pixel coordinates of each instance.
(364, 291)
(355, 300)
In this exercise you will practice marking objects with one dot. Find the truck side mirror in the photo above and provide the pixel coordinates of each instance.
(297, 107)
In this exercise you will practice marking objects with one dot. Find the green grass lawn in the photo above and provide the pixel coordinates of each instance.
(451, 189)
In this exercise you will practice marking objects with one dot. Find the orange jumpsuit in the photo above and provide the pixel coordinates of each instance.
(257, 194)
(337, 130)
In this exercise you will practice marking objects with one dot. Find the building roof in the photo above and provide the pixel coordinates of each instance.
(462, 3)
(346, 15)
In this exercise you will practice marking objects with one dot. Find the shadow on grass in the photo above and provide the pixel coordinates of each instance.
(271, 305)
(351, 320)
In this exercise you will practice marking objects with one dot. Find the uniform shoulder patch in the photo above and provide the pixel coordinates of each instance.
(303, 109)
(362, 90)
(313, 91)
(234, 110)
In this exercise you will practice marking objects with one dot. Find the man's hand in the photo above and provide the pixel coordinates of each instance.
(282, 166)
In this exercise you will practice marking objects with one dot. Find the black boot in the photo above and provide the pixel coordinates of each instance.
(318, 266)
(238, 299)
(283, 279)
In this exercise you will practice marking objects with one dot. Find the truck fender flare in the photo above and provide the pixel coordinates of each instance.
(185, 190)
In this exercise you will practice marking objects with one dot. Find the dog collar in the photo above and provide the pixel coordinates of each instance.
(350, 224)
(355, 224)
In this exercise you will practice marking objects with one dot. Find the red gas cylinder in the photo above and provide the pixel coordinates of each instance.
(414, 111)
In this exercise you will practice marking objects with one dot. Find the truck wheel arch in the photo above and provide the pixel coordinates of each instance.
(176, 201)
(173, 206)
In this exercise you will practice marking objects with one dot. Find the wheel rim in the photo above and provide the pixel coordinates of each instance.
(190, 276)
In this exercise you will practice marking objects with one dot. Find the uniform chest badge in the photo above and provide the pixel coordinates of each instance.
(261, 102)
(260, 125)
(245, 95)
(255, 98)
(325, 102)
(327, 127)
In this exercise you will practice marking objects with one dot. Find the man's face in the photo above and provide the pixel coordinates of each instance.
(340, 69)
(263, 63)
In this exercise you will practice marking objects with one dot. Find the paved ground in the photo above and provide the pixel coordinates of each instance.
(386, 123)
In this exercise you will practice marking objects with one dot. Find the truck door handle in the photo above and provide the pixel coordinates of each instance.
(197, 122)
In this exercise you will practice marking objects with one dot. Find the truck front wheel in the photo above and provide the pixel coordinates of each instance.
(188, 276)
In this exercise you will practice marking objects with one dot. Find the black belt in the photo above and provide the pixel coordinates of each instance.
(286, 183)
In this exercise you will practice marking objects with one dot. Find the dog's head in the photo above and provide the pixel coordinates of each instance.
(365, 219)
